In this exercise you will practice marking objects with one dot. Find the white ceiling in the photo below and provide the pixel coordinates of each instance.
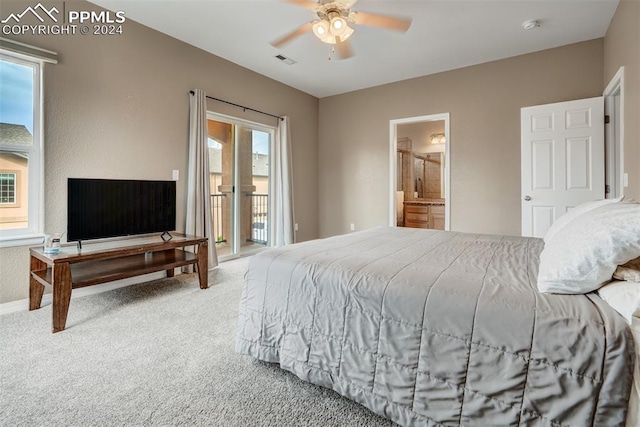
(444, 35)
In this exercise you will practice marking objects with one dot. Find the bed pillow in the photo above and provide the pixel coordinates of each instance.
(572, 214)
(585, 252)
(629, 271)
(624, 297)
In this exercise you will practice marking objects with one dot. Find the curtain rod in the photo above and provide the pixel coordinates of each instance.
(240, 106)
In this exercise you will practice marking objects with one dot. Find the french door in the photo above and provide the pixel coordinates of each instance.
(239, 161)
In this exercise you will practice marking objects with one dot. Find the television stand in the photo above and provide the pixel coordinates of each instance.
(108, 260)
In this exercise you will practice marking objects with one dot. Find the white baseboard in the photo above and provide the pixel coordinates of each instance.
(23, 304)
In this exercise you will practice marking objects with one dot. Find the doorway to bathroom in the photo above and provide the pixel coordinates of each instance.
(419, 163)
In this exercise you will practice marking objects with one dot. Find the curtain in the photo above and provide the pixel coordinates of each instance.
(282, 206)
(198, 194)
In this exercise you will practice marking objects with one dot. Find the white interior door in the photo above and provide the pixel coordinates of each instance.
(562, 160)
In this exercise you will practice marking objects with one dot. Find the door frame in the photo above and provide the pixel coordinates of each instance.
(614, 140)
(237, 195)
(393, 147)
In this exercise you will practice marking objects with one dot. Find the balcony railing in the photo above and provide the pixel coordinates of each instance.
(259, 218)
(216, 217)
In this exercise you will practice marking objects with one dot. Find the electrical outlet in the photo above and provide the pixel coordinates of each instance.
(625, 180)
(295, 227)
(352, 227)
(176, 174)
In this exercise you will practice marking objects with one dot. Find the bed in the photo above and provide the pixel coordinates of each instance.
(431, 327)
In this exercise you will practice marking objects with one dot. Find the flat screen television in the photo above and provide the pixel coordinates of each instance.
(101, 208)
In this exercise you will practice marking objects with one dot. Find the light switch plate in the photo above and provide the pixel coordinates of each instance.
(176, 174)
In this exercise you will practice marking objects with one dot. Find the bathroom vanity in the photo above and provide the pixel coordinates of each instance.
(428, 213)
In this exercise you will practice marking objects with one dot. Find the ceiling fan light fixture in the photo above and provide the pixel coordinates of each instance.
(332, 24)
(321, 29)
(329, 40)
(347, 33)
(338, 26)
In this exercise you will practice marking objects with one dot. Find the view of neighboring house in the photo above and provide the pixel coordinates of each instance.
(14, 206)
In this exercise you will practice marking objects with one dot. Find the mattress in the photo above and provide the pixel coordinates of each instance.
(430, 327)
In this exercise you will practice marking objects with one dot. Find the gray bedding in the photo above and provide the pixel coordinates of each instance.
(429, 327)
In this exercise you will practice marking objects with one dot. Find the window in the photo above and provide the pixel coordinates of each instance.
(21, 163)
(8, 189)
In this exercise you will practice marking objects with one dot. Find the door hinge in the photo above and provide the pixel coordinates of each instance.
(607, 119)
(607, 189)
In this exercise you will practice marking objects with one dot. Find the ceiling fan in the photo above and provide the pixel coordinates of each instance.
(332, 26)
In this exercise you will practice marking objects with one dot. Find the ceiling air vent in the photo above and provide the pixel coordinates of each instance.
(286, 60)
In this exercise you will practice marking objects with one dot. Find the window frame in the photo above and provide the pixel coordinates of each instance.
(33, 233)
(16, 195)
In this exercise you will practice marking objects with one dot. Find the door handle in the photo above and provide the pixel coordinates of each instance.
(527, 198)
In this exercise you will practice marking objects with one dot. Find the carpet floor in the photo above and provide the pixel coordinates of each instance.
(159, 353)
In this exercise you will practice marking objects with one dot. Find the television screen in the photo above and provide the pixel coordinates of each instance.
(100, 208)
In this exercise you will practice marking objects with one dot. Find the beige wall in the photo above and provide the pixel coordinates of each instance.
(484, 102)
(117, 107)
(622, 48)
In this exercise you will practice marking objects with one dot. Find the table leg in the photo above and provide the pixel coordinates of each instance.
(61, 295)
(203, 264)
(170, 273)
(36, 289)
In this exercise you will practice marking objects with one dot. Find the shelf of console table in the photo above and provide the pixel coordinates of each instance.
(106, 261)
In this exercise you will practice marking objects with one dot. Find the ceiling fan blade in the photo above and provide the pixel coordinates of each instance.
(304, 3)
(343, 49)
(292, 35)
(383, 21)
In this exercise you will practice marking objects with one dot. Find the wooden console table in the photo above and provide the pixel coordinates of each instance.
(107, 261)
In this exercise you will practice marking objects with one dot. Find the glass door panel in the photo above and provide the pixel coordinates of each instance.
(239, 181)
(221, 182)
(253, 173)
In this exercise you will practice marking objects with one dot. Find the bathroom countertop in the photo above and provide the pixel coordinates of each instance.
(422, 202)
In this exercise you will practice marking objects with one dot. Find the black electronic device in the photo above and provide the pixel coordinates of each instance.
(101, 208)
